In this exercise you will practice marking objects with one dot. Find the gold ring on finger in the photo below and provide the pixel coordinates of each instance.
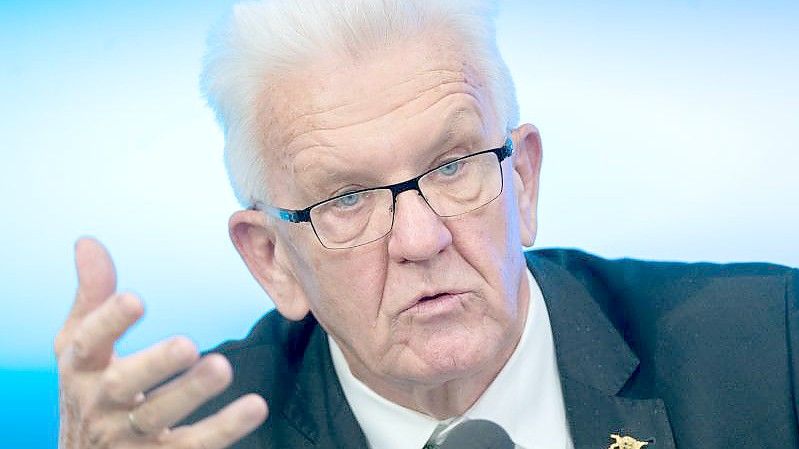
(135, 426)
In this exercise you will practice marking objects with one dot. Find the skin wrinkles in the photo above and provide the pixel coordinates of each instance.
(315, 114)
(322, 133)
(420, 394)
(322, 171)
(478, 271)
(323, 117)
(454, 387)
(437, 366)
(301, 154)
(403, 344)
(476, 296)
(311, 114)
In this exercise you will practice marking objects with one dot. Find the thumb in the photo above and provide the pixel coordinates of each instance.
(97, 281)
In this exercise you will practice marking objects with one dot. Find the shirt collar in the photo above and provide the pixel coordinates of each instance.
(525, 398)
(385, 424)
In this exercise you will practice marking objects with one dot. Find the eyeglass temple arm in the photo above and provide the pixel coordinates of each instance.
(507, 149)
(294, 216)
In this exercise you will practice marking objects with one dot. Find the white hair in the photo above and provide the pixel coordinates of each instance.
(263, 40)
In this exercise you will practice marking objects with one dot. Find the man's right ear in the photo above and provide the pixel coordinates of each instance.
(264, 254)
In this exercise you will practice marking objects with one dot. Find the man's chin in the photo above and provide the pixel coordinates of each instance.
(439, 363)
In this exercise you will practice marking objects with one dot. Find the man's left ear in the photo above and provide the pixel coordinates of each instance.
(264, 252)
(526, 173)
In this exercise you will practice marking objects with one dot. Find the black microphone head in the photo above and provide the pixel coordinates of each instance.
(477, 434)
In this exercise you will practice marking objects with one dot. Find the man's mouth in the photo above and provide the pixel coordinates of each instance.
(428, 298)
(435, 304)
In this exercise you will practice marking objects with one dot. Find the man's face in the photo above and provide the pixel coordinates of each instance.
(438, 299)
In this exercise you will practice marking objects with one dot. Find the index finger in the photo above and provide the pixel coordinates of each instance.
(96, 282)
(227, 426)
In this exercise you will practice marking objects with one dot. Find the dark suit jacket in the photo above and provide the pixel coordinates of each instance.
(684, 355)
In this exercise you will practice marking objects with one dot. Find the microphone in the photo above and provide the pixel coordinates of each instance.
(477, 434)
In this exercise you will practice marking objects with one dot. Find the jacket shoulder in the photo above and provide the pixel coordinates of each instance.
(704, 333)
(265, 362)
(710, 313)
(653, 289)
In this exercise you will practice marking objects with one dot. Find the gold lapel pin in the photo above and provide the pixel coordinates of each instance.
(626, 442)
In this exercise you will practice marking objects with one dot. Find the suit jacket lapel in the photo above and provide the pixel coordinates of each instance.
(317, 409)
(595, 363)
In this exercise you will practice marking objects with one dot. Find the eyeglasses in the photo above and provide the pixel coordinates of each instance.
(363, 216)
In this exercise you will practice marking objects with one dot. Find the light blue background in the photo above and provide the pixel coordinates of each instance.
(669, 132)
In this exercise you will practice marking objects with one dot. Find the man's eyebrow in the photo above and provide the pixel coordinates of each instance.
(456, 131)
(328, 172)
(453, 129)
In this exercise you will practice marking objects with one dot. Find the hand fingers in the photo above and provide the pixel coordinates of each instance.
(221, 430)
(93, 341)
(126, 378)
(172, 402)
(96, 282)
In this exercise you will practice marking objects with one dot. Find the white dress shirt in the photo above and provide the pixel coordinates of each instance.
(525, 398)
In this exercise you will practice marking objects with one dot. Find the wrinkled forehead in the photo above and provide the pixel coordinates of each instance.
(403, 103)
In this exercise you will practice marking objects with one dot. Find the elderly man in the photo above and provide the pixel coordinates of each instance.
(389, 194)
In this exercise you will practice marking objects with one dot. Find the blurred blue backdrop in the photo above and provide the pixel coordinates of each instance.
(669, 132)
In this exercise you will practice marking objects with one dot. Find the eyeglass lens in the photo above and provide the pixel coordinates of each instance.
(452, 189)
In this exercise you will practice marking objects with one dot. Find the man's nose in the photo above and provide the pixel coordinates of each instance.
(418, 233)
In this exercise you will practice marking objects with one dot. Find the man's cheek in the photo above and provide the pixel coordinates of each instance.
(355, 286)
(479, 242)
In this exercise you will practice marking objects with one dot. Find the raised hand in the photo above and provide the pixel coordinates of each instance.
(108, 401)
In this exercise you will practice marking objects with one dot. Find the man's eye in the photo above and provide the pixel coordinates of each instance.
(450, 169)
(348, 201)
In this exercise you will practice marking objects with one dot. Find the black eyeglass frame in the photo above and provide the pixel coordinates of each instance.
(304, 215)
